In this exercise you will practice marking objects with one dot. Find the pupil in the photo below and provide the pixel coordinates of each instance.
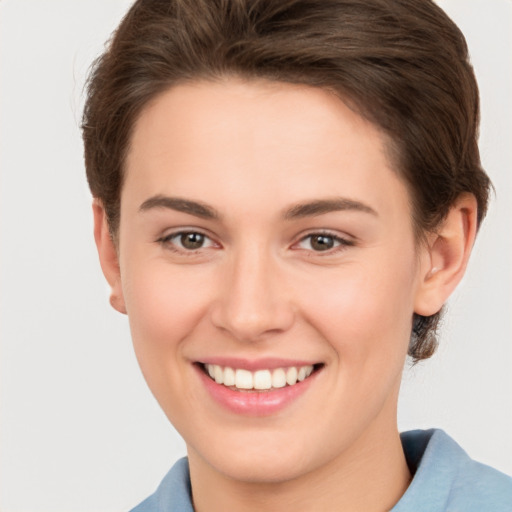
(322, 242)
(192, 240)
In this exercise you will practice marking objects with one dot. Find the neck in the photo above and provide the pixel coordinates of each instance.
(371, 476)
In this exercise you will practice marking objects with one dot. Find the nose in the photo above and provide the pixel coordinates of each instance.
(252, 302)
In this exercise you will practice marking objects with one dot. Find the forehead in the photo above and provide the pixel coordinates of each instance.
(256, 139)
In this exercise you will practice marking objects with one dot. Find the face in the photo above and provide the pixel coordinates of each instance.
(266, 240)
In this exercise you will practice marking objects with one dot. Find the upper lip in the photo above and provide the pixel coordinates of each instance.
(266, 363)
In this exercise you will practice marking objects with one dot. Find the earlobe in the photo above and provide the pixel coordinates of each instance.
(446, 256)
(108, 256)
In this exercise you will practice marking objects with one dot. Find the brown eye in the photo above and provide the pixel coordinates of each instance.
(192, 241)
(322, 242)
(186, 241)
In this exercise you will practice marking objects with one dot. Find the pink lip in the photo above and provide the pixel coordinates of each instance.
(254, 403)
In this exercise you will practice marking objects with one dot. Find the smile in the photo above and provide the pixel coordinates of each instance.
(260, 380)
(259, 388)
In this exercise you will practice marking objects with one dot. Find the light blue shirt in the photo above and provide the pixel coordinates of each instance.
(445, 480)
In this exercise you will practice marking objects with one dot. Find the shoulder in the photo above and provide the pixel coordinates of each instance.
(446, 479)
(173, 494)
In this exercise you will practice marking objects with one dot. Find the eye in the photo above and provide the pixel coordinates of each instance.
(322, 242)
(187, 241)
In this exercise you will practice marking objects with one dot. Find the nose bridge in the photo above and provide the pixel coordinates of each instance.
(252, 303)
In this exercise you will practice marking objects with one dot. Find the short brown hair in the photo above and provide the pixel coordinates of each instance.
(402, 64)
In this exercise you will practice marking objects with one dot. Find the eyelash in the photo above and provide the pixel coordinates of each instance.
(340, 243)
(167, 241)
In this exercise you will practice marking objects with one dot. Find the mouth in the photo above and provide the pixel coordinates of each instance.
(261, 380)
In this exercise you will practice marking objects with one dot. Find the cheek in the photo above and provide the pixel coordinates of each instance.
(365, 311)
(164, 306)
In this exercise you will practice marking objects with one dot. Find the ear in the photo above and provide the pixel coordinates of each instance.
(446, 256)
(108, 256)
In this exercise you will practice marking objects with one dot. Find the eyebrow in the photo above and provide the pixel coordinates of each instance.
(322, 206)
(180, 205)
(301, 210)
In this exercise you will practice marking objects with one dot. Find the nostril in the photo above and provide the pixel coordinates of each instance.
(252, 323)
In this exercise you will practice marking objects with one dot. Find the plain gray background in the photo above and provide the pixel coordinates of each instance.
(79, 429)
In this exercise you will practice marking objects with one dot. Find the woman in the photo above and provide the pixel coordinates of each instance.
(286, 194)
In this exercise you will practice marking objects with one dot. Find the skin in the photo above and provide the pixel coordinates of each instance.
(253, 151)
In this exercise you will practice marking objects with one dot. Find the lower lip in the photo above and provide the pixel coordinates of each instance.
(255, 403)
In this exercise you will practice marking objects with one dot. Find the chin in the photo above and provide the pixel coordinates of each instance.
(264, 470)
(266, 459)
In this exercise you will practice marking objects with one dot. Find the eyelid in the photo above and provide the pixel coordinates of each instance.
(166, 239)
(342, 242)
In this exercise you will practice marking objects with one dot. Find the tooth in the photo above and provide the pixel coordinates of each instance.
(243, 379)
(218, 374)
(291, 376)
(229, 376)
(278, 378)
(262, 379)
